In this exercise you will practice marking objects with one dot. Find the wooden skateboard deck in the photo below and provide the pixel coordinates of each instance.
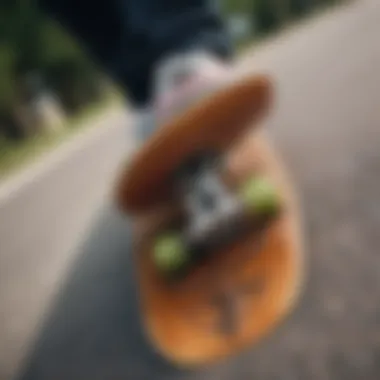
(238, 295)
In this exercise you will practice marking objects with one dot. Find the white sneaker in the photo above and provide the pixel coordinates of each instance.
(178, 79)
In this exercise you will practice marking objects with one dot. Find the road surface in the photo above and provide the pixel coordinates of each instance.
(326, 125)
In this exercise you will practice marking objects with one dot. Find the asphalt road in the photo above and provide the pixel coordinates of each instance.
(326, 125)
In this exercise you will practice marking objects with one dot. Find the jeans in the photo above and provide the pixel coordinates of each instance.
(127, 38)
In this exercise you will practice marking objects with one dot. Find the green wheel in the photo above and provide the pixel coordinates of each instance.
(260, 197)
(170, 253)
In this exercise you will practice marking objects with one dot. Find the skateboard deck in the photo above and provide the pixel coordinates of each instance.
(237, 293)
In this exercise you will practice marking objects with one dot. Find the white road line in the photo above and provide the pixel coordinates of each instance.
(48, 161)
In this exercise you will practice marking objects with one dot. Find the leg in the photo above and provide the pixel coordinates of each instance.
(129, 38)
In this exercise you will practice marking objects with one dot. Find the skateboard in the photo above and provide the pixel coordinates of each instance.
(217, 231)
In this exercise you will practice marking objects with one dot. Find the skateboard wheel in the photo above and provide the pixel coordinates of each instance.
(170, 253)
(260, 196)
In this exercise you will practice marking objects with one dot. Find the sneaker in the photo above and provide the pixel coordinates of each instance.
(179, 80)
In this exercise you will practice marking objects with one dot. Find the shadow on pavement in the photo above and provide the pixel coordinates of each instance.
(94, 331)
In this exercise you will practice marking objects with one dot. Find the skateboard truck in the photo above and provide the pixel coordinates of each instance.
(215, 212)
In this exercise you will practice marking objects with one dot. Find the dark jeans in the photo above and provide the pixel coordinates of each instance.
(128, 37)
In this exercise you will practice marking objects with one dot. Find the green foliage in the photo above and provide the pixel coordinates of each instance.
(237, 6)
(7, 82)
(268, 15)
(31, 43)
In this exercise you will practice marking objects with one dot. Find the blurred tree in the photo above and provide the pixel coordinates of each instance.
(269, 15)
(7, 90)
(67, 70)
(300, 7)
(265, 15)
(31, 43)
